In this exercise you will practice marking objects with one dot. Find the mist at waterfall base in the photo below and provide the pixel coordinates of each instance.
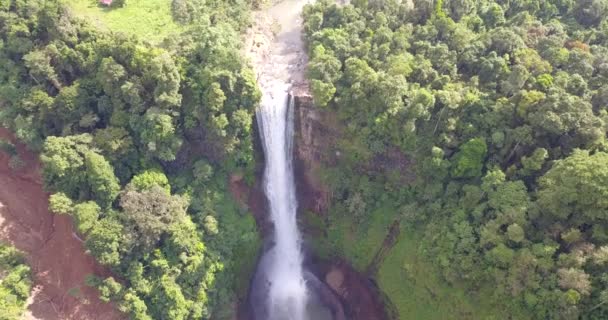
(283, 286)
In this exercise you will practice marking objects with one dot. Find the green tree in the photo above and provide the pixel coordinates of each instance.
(39, 64)
(63, 163)
(169, 301)
(134, 306)
(100, 177)
(590, 12)
(109, 289)
(468, 161)
(516, 233)
(85, 216)
(494, 15)
(564, 114)
(575, 186)
(148, 179)
(322, 92)
(60, 203)
(15, 283)
(534, 162)
(107, 240)
(151, 212)
(159, 136)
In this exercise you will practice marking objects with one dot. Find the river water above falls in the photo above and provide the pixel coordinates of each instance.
(282, 288)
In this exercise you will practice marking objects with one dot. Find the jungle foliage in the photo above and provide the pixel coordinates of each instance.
(137, 142)
(484, 122)
(15, 283)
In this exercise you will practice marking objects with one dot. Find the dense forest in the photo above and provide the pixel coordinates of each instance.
(137, 142)
(498, 112)
(477, 126)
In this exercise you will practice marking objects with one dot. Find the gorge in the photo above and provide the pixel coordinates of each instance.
(287, 289)
(333, 288)
(280, 276)
(300, 160)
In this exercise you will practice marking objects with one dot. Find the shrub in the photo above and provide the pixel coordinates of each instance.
(8, 147)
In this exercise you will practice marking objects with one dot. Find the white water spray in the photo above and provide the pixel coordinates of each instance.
(287, 296)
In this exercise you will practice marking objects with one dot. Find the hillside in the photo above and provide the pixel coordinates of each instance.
(449, 158)
(137, 139)
(477, 129)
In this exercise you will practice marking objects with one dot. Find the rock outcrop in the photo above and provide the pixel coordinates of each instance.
(315, 137)
(316, 133)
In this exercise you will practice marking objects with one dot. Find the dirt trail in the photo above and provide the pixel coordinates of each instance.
(57, 258)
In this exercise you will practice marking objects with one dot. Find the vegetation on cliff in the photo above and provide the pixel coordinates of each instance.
(501, 108)
(137, 142)
(479, 127)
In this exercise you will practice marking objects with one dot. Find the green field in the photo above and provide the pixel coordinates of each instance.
(149, 19)
(356, 242)
(359, 242)
(416, 290)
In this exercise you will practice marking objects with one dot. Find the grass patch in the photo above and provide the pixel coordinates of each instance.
(151, 20)
(357, 242)
(416, 290)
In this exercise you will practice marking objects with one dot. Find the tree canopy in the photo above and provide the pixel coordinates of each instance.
(127, 133)
(499, 109)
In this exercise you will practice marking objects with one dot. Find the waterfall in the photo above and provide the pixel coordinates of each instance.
(287, 293)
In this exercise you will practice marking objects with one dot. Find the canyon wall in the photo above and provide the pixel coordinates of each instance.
(315, 137)
(316, 133)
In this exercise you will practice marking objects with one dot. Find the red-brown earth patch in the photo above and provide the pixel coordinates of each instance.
(53, 251)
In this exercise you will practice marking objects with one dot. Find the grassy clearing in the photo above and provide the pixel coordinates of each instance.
(149, 19)
(411, 282)
(357, 242)
(416, 290)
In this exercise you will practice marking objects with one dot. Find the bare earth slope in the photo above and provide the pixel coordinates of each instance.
(57, 258)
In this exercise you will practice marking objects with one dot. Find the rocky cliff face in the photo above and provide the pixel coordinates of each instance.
(314, 140)
(316, 133)
(313, 148)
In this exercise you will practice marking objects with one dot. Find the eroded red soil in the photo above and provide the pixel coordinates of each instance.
(57, 257)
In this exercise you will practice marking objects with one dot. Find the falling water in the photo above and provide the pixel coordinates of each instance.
(287, 292)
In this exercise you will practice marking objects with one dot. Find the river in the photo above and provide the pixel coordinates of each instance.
(279, 60)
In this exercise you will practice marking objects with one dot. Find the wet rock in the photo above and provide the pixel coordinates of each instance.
(260, 40)
(326, 298)
(315, 137)
(334, 279)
